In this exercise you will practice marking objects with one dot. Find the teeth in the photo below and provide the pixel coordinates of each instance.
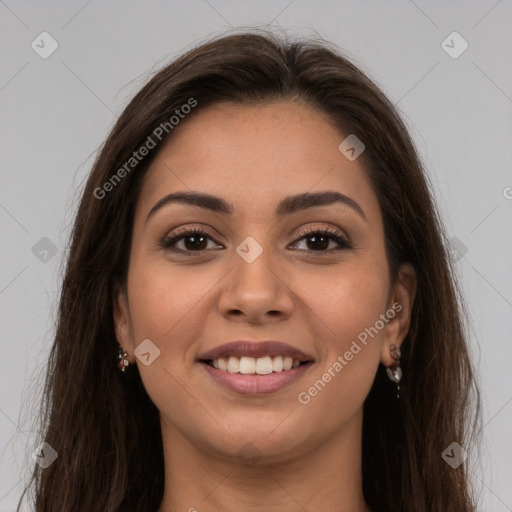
(263, 365)
(233, 365)
(247, 365)
(277, 364)
(255, 365)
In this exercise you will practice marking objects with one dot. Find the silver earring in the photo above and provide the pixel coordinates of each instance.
(122, 362)
(395, 372)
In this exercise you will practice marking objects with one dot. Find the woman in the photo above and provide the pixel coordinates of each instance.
(258, 252)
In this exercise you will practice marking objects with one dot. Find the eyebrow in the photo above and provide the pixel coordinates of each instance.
(288, 205)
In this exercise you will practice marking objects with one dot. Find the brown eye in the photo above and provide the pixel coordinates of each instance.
(195, 240)
(321, 238)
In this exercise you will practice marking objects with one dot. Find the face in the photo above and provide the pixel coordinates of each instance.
(312, 275)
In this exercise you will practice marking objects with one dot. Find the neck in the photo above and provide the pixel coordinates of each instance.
(325, 477)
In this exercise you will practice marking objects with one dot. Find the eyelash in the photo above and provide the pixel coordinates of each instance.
(168, 242)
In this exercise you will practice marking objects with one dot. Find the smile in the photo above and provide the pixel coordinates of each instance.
(254, 365)
(249, 376)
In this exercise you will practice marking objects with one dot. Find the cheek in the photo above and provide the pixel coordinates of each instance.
(165, 302)
(349, 309)
(165, 306)
(350, 300)
(349, 360)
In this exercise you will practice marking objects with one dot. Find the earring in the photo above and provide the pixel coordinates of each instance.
(395, 372)
(121, 358)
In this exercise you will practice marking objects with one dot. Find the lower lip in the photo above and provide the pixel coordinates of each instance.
(256, 384)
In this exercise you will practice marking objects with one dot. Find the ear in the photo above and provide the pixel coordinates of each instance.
(399, 311)
(122, 322)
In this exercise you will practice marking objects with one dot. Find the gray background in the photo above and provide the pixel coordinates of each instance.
(56, 112)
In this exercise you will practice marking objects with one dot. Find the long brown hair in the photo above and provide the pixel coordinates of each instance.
(102, 423)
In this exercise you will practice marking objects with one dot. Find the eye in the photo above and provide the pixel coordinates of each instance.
(321, 239)
(196, 240)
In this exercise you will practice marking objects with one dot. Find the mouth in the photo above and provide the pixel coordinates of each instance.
(255, 368)
(247, 365)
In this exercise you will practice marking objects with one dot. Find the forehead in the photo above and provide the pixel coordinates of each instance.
(253, 155)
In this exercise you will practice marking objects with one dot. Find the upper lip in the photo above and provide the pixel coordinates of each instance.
(255, 349)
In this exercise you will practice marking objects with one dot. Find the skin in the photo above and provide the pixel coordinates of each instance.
(318, 300)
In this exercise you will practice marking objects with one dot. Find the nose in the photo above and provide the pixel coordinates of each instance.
(256, 291)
